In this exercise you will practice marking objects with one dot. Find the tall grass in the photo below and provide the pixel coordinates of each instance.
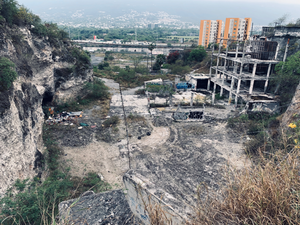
(267, 193)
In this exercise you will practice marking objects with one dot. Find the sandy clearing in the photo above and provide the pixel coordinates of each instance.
(104, 158)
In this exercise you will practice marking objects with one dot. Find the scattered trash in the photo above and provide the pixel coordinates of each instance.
(93, 126)
(148, 133)
(79, 128)
(139, 137)
(65, 117)
(83, 124)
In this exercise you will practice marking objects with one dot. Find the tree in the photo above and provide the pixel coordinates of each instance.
(151, 47)
(7, 73)
(9, 10)
(160, 59)
(136, 62)
(281, 20)
(172, 57)
(287, 77)
(197, 54)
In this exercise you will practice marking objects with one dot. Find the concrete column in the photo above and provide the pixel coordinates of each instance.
(237, 91)
(231, 88)
(237, 49)
(220, 45)
(221, 92)
(241, 69)
(213, 95)
(208, 84)
(252, 81)
(211, 59)
(235, 67)
(192, 98)
(268, 75)
(277, 50)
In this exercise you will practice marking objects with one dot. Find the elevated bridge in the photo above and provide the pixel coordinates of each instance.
(113, 45)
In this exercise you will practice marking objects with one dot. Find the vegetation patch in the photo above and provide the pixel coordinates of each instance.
(7, 73)
(112, 121)
(36, 202)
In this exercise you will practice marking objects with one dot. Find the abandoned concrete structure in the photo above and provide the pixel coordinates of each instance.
(283, 35)
(244, 74)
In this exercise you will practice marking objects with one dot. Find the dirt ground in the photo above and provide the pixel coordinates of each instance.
(175, 156)
(106, 158)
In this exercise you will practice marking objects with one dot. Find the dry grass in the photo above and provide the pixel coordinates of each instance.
(268, 193)
(103, 111)
(135, 119)
(194, 130)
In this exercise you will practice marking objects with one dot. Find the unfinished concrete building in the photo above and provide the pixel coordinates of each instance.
(244, 75)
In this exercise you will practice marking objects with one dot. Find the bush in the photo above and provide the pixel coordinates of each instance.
(82, 57)
(35, 202)
(172, 57)
(9, 9)
(141, 69)
(102, 65)
(113, 121)
(140, 92)
(126, 76)
(97, 89)
(181, 70)
(116, 69)
(7, 73)
(197, 54)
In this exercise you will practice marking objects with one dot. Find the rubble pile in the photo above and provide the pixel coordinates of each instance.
(67, 118)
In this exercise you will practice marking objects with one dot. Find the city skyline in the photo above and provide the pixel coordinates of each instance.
(262, 12)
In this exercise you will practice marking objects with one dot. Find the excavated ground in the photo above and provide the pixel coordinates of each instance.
(176, 156)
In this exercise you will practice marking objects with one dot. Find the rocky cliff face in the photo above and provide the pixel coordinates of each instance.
(45, 72)
(292, 113)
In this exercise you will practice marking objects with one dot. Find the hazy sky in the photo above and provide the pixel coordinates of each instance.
(262, 12)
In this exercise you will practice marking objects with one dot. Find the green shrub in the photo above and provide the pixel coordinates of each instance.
(140, 92)
(178, 69)
(81, 56)
(35, 202)
(7, 73)
(97, 89)
(197, 54)
(101, 66)
(9, 9)
(113, 121)
(126, 75)
(116, 68)
(141, 69)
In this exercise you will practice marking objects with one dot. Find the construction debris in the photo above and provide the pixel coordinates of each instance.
(65, 117)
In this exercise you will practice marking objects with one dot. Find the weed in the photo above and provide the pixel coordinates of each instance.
(113, 121)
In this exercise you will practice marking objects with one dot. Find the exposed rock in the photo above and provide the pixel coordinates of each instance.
(96, 209)
(292, 113)
(44, 72)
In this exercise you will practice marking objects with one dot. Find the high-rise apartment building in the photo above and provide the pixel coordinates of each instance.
(234, 28)
(237, 29)
(209, 31)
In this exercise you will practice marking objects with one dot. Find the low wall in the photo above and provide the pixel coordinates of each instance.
(141, 198)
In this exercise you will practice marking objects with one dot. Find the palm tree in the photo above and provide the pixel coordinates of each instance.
(151, 47)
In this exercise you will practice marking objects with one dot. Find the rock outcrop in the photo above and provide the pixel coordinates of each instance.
(46, 71)
(293, 112)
